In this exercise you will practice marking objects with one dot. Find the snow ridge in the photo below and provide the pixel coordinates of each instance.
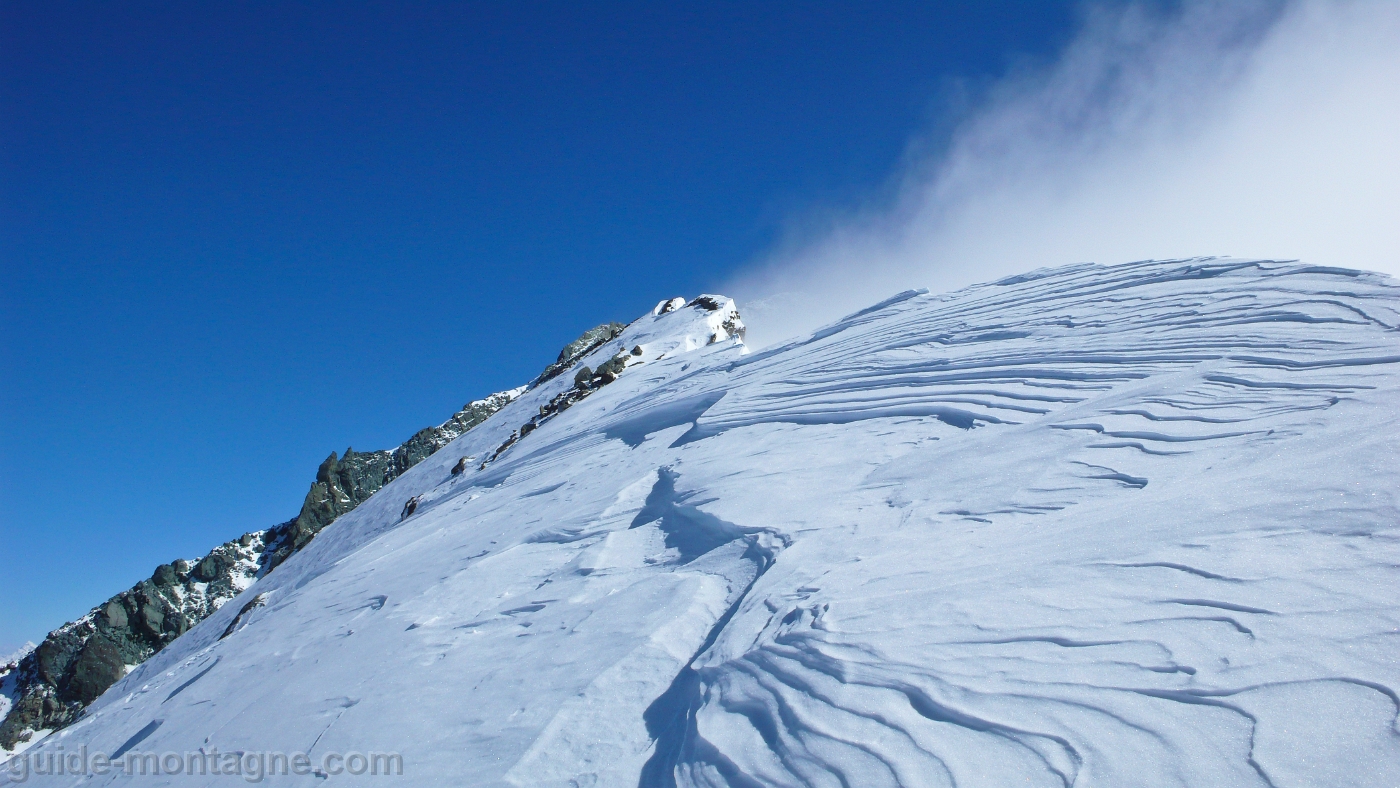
(1089, 526)
(50, 686)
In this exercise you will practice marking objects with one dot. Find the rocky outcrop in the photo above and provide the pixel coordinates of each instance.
(586, 381)
(591, 340)
(725, 325)
(78, 661)
(342, 483)
(49, 687)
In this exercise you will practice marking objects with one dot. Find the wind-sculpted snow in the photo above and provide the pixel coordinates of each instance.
(1092, 526)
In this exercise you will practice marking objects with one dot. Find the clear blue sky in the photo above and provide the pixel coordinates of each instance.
(235, 237)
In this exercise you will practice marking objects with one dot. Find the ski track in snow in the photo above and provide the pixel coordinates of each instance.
(1090, 526)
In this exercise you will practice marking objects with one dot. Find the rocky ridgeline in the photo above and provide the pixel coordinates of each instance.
(342, 483)
(78, 661)
(587, 381)
(49, 687)
(591, 340)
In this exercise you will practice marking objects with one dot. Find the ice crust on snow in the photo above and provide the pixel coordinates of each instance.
(1091, 526)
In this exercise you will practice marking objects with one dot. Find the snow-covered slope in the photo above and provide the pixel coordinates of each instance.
(50, 685)
(1134, 525)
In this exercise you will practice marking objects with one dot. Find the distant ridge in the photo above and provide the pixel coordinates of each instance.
(46, 687)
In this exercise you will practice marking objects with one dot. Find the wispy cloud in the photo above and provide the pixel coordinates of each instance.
(1239, 128)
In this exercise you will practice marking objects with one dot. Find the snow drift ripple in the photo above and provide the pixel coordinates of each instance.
(1160, 548)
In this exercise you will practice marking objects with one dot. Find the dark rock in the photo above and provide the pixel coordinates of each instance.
(589, 341)
(115, 614)
(459, 467)
(165, 575)
(209, 568)
(98, 667)
(705, 302)
(52, 658)
(342, 483)
(613, 366)
(586, 381)
(256, 602)
(35, 711)
(153, 618)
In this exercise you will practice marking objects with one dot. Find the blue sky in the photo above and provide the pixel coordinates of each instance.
(237, 237)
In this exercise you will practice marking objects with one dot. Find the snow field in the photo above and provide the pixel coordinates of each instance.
(1092, 526)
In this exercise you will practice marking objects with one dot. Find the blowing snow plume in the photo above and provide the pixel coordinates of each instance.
(1253, 129)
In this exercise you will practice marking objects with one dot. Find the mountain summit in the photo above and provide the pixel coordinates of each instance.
(1093, 526)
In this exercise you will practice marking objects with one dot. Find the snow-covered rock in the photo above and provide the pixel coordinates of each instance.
(1091, 526)
(50, 685)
